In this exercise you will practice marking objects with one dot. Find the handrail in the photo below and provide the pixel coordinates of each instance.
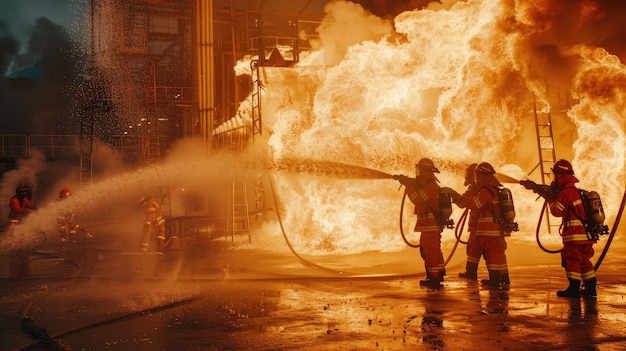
(51, 145)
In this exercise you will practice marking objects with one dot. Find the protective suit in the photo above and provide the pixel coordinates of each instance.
(66, 221)
(423, 191)
(577, 247)
(19, 205)
(485, 203)
(154, 224)
(473, 249)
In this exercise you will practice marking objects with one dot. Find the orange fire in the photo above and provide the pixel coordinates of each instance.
(458, 84)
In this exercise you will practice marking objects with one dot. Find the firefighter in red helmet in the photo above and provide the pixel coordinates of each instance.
(577, 247)
(66, 222)
(488, 231)
(20, 204)
(423, 191)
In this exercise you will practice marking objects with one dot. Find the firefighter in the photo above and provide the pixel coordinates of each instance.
(66, 222)
(488, 231)
(423, 191)
(154, 223)
(474, 250)
(577, 247)
(20, 204)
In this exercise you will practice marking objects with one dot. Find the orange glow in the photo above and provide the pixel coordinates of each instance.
(456, 84)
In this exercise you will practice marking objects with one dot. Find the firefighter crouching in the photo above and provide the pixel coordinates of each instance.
(20, 205)
(66, 221)
(485, 204)
(565, 201)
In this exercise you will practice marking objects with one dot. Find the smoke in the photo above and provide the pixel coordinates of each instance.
(9, 47)
(347, 24)
(48, 105)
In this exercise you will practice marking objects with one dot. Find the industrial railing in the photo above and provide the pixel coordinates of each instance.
(51, 146)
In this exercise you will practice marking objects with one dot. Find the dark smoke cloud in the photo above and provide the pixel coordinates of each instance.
(9, 47)
(47, 105)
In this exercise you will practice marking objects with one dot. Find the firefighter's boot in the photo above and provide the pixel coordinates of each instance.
(573, 290)
(590, 288)
(504, 279)
(432, 282)
(494, 279)
(471, 271)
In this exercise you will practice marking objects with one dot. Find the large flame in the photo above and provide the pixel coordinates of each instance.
(458, 84)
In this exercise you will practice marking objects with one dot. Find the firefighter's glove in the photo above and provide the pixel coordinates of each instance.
(404, 180)
(544, 191)
(452, 192)
(528, 184)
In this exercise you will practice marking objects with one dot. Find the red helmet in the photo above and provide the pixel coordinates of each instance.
(21, 190)
(427, 165)
(562, 167)
(65, 192)
(485, 168)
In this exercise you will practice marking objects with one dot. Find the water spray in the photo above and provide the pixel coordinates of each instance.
(327, 168)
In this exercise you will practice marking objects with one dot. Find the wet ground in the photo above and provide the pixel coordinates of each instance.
(94, 296)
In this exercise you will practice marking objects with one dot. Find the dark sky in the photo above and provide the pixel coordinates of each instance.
(18, 20)
(39, 32)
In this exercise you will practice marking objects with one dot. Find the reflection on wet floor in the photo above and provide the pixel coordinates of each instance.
(255, 300)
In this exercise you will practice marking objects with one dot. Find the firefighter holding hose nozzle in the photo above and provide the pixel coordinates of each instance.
(424, 193)
(20, 205)
(564, 200)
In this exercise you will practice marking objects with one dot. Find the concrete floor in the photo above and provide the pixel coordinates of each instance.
(93, 296)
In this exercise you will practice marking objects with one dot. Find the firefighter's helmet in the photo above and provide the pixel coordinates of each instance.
(427, 164)
(485, 168)
(563, 167)
(65, 192)
(143, 199)
(21, 190)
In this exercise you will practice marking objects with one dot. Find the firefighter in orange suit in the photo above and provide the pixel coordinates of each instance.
(485, 203)
(66, 221)
(20, 204)
(474, 250)
(423, 191)
(154, 223)
(577, 247)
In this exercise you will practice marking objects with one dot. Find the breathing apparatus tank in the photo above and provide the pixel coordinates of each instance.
(595, 207)
(595, 214)
(445, 208)
(506, 205)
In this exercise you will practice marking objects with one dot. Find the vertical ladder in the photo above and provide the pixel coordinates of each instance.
(238, 215)
(151, 148)
(545, 143)
(257, 86)
(547, 154)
